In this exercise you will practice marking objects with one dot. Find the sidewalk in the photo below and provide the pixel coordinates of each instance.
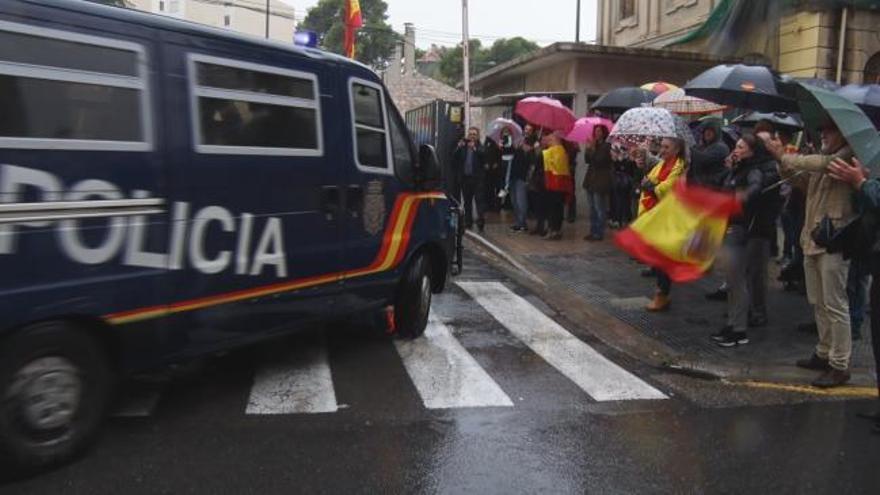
(604, 278)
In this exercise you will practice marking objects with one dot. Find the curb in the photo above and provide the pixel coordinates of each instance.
(624, 338)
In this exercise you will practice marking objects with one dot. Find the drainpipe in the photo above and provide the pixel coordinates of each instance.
(841, 44)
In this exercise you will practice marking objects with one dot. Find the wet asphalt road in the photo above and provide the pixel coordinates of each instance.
(193, 435)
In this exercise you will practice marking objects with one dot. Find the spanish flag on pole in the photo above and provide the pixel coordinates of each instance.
(682, 234)
(353, 21)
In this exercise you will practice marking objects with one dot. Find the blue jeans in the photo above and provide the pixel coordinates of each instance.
(598, 209)
(519, 195)
(856, 291)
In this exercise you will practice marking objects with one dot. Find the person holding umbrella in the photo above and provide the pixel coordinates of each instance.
(558, 183)
(825, 272)
(655, 186)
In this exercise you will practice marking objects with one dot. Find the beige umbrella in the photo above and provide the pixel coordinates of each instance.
(676, 101)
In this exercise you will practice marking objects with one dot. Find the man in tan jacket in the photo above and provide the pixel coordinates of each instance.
(825, 273)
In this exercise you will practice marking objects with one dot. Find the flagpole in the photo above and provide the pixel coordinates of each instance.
(267, 18)
(577, 24)
(466, 57)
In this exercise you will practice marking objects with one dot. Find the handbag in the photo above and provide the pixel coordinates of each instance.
(836, 239)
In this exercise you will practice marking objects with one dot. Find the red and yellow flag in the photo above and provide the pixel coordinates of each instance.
(557, 171)
(353, 21)
(682, 234)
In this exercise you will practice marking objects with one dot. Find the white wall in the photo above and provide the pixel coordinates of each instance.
(245, 16)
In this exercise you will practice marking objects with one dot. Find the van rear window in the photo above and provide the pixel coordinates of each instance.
(65, 90)
(245, 123)
(39, 108)
(36, 50)
(222, 77)
(244, 108)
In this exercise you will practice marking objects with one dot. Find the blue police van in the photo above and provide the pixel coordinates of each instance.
(169, 190)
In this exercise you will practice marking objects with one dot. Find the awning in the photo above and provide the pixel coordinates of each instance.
(733, 17)
(510, 99)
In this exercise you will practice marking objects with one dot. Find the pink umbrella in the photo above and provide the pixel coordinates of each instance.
(546, 112)
(582, 131)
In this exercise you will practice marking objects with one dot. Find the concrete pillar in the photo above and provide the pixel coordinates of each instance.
(409, 49)
(394, 68)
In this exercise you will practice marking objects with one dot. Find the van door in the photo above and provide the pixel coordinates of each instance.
(257, 190)
(372, 187)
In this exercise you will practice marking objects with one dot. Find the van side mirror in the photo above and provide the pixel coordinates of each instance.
(429, 166)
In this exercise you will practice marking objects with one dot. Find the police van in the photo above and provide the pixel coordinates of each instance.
(169, 190)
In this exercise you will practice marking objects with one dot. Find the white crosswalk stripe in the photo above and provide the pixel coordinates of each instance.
(445, 374)
(443, 371)
(302, 383)
(596, 375)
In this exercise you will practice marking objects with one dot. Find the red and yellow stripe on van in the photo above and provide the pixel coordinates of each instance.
(395, 242)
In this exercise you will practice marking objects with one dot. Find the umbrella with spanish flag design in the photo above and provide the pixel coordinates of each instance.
(683, 234)
(353, 21)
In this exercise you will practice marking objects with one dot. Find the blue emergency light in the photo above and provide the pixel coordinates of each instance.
(308, 39)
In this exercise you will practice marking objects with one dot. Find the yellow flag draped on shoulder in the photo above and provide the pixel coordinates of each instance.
(683, 233)
(557, 171)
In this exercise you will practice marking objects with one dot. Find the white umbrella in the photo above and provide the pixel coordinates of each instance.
(497, 127)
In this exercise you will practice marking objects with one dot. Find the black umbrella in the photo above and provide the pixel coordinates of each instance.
(778, 119)
(622, 99)
(744, 86)
(866, 97)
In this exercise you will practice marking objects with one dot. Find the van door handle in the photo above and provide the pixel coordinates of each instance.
(354, 200)
(330, 201)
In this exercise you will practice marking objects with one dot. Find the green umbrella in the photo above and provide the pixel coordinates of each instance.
(817, 106)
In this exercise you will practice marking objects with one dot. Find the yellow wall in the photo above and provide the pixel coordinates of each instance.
(807, 44)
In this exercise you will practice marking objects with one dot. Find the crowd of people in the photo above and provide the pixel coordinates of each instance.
(534, 178)
(808, 191)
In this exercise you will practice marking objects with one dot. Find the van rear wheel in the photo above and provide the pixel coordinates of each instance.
(54, 388)
(413, 301)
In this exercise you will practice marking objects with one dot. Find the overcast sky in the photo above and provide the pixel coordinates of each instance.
(439, 21)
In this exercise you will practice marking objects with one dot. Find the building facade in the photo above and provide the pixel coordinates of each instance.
(243, 16)
(578, 73)
(835, 40)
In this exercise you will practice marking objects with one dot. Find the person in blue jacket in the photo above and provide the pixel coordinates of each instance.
(868, 197)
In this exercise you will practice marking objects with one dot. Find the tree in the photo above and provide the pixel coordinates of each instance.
(504, 50)
(482, 59)
(375, 40)
(452, 65)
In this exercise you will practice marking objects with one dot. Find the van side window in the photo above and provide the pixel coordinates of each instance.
(64, 90)
(248, 109)
(371, 135)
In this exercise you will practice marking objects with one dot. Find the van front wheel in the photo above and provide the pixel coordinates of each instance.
(413, 301)
(54, 387)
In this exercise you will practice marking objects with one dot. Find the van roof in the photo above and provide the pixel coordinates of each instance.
(189, 27)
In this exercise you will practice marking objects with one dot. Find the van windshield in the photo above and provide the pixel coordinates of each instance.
(401, 146)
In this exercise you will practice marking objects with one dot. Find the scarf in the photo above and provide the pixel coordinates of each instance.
(649, 198)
